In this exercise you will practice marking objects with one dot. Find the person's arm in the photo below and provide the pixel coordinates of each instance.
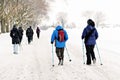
(83, 34)
(53, 37)
(96, 34)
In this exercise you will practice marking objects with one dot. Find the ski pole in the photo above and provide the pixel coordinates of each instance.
(68, 54)
(83, 52)
(52, 56)
(99, 54)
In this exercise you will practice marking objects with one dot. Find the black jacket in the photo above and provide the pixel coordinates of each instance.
(14, 35)
(29, 32)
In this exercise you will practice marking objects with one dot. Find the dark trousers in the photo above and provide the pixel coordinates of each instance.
(30, 39)
(38, 34)
(60, 53)
(90, 53)
(20, 39)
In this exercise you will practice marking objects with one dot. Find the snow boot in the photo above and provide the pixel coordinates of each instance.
(94, 61)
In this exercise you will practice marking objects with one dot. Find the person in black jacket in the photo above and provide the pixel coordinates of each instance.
(29, 34)
(14, 34)
(20, 34)
(38, 32)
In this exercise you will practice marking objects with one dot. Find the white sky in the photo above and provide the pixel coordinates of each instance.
(74, 8)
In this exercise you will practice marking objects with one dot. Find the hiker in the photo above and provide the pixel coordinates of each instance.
(59, 36)
(29, 34)
(90, 35)
(14, 34)
(38, 32)
(20, 30)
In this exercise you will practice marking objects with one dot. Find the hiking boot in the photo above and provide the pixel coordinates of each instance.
(88, 63)
(94, 61)
(15, 53)
(61, 62)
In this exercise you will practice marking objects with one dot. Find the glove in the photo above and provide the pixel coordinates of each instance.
(51, 42)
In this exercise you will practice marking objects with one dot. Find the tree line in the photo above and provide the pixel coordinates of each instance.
(21, 13)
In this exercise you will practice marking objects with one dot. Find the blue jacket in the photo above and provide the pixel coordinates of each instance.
(93, 36)
(54, 37)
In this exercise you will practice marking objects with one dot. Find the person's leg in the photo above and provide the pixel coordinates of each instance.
(38, 35)
(29, 40)
(14, 48)
(88, 54)
(93, 54)
(62, 55)
(58, 55)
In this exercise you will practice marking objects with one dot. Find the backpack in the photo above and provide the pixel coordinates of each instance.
(61, 35)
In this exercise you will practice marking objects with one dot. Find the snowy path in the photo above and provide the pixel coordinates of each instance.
(34, 62)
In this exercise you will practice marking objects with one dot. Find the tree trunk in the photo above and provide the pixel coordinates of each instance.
(2, 26)
(7, 28)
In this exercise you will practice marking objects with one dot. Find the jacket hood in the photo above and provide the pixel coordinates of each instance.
(59, 27)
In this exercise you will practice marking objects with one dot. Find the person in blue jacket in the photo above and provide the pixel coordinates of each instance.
(90, 35)
(60, 45)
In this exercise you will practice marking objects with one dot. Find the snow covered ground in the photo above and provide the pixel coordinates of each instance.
(34, 61)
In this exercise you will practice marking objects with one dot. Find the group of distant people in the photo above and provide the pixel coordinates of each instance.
(17, 34)
(60, 36)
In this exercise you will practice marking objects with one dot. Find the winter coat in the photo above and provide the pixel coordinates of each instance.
(14, 35)
(54, 37)
(20, 31)
(29, 32)
(92, 39)
(37, 30)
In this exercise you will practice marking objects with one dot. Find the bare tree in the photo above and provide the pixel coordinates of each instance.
(87, 14)
(21, 12)
(100, 19)
(62, 17)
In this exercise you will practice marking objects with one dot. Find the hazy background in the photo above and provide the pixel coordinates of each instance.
(76, 8)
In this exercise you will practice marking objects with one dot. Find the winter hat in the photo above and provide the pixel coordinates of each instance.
(14, 26)
(90, 22)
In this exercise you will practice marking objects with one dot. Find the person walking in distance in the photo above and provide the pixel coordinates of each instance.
(20, 30)
(38, 32)
(90, 35)
(14, 34)
(59, 36)
(29, 34)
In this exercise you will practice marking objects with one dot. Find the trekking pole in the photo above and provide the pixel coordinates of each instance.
(68, 54)
(83, 52)
(99, 55)
(52, 56)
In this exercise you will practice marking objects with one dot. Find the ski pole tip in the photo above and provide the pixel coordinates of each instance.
(53, 65)
(101, 64)
(70, 60)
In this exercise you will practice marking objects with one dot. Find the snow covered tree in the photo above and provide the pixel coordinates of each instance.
(100, 19)
(62, 17)
(21, 12)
